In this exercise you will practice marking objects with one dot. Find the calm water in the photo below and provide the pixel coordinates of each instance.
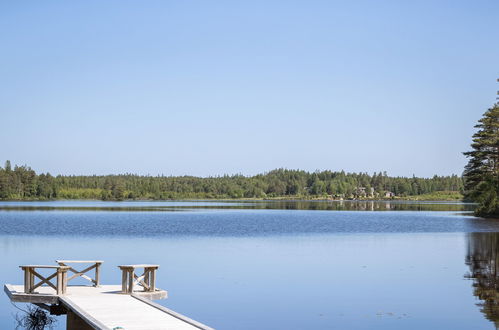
(277, 265)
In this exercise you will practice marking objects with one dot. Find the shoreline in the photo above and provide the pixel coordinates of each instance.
(267, 199)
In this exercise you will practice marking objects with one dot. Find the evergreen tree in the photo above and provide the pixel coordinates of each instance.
(481, 174)
(8, 167)
(118, 190)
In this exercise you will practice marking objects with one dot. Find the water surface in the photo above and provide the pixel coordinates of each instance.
(279, 266)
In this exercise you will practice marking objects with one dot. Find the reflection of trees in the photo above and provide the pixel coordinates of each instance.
(483, 261)
(359, 205)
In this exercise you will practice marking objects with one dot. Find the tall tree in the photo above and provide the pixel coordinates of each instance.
(481, 174)
(8, 167)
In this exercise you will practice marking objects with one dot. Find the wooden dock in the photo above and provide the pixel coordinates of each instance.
(127, 306)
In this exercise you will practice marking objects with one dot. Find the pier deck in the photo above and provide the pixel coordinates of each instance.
(128, 306)
(106, 307)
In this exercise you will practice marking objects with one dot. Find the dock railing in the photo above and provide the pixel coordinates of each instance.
(129, 279)
(60, 274)
(81, 273)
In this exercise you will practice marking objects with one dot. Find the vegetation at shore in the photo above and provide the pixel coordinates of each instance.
(23, 183)
(438, 196)
(481, 174)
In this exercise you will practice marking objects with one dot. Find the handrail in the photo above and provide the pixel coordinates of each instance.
(30, 273)
(81, 273)
(147, 279)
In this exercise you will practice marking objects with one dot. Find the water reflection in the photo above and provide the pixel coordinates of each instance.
(483, 261)
(207, 205)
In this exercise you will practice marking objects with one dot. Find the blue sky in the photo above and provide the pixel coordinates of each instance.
(207, 88)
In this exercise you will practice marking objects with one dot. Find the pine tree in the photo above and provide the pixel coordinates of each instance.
(481, 174)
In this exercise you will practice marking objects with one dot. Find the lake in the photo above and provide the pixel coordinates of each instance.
(276, 265)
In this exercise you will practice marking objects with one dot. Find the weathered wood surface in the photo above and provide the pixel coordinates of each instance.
(16, 294)
(192, 322)
(147, 280)
(80, 261)
(81, 273)
(40, 266)
(30, 273)
(48, 295)
(118, 310)
(139, 266)
(105, 307)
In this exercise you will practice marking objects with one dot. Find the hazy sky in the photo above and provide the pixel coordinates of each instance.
(213, 87)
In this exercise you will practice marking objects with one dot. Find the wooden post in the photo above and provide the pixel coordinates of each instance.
(27, 280)
(97, 274)
(75, 322)
(131, 272)
(59, 282)
(124, 273)
(152, 286)
(147, 278)
(31, 280)
(64, 280)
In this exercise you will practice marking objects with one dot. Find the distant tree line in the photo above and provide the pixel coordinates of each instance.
(23, 183)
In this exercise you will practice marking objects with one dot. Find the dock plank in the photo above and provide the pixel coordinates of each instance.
(106, 307)
(120, 310)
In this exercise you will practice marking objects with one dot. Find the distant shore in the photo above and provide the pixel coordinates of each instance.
(447, 196)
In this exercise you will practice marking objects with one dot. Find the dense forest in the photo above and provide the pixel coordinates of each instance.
(23, 183)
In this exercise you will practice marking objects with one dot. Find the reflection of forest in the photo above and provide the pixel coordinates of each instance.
(358, 205)
(482, 259)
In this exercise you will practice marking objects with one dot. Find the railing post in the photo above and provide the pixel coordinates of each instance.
(124, 274)
(31, 280)
(27, 280)
(131, 272)
(97, 274)
(59, 281)
(64, 280)
(152, 285)
(147, 277)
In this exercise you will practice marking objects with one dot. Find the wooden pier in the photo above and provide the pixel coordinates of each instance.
(128, 306)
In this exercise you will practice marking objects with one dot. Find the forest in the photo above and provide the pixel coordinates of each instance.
(23, 183)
